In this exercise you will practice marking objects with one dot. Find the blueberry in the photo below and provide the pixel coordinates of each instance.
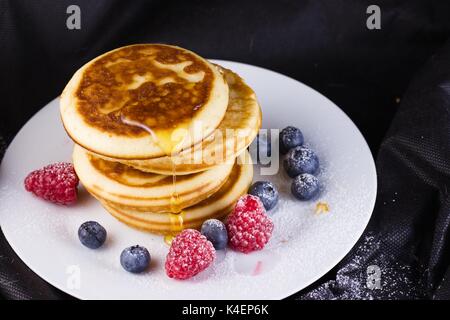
(263, 147)
(290, 137)
(92, 234)
(267, 193)
(214, 230)
(301, 160)
(305, 186)
(135, 259)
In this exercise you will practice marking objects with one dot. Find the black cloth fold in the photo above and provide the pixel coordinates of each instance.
(408, 236)
(324, 44)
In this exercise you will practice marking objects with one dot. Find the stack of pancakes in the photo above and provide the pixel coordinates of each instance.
(161, 135)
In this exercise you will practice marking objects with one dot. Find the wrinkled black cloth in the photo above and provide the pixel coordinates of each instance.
(324, 44)
(408, 236)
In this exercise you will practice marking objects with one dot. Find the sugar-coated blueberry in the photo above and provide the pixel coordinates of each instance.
(215, 231)
(266, 192)
(290, 137)
(135, 259)
(305, 186)
(301, 160)
(92, 234)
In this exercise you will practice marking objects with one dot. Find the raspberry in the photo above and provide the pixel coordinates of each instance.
(56, 183)
(249, 228)
(249, 202)
(189, 254)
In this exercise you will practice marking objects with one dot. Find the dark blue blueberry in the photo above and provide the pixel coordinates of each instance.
(214, 230)
(290, 137)
(267, 192)
(305, 186)
(301, 160)
(135, 259)
(92, 234)
(263, 147)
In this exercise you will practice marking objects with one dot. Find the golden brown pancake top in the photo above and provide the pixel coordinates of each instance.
(134, 83)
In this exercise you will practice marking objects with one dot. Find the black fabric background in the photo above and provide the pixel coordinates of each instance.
(324, 44)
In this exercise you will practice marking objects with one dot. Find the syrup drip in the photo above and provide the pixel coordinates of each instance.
(322, 207)
(176, 221)
(176, 215)
(168, 143)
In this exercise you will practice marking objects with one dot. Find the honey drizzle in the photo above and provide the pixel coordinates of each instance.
(176, 215)
(165, 141)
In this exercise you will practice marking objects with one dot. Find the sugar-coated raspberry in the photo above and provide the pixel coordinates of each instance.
(249, 202)
(249, 228)
(56, 183)
(189, 254)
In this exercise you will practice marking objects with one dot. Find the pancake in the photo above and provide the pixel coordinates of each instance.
(143, 101)
(128, 187)
(217, 206)
(237, 130)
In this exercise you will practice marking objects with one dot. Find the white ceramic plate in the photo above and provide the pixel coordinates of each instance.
(304, 246)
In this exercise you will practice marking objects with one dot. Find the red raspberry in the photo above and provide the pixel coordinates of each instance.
(189, 254)
(56, 183)
(249, 228)
(249, 202)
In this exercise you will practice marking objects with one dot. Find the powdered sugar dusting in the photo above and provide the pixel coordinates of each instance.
(301, 154)
(397, 280)
(216, 224)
